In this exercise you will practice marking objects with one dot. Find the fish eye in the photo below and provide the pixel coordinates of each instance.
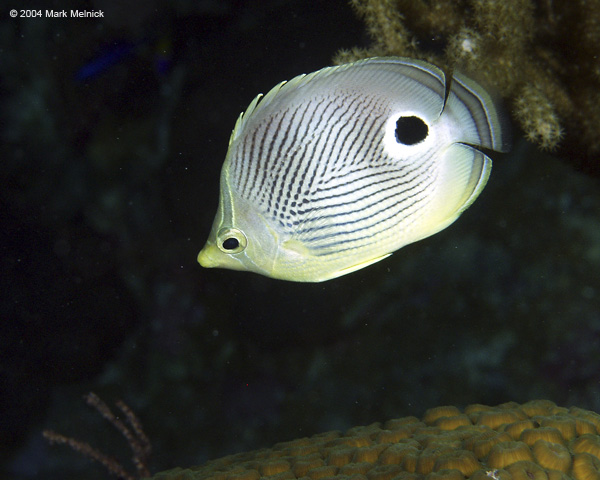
(411, 130)
(231, 240)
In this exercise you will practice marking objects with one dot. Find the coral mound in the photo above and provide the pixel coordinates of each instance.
(534, 441)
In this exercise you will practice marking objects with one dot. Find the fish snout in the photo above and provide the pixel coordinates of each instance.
(209, 256)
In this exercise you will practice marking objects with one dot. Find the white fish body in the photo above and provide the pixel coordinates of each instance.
(335, 170)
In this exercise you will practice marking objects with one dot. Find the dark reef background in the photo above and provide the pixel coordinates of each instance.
(113, 132)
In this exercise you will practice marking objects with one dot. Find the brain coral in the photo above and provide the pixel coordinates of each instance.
(534, 441)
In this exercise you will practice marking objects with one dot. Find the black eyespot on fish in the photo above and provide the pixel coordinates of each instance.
(411, 130)
(231, 243)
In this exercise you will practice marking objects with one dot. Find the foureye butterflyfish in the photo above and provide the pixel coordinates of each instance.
(335, 170)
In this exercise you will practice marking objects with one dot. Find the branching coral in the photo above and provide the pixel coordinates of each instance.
(540, 55)
(134, 434)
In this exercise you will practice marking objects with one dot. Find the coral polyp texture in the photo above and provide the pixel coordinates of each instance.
(540, 55)
(533, 441)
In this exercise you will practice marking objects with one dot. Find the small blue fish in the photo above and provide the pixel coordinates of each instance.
(158, 50)
(335, 170)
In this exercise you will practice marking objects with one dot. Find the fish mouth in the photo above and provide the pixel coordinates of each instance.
(211, 257)
(207, 257)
